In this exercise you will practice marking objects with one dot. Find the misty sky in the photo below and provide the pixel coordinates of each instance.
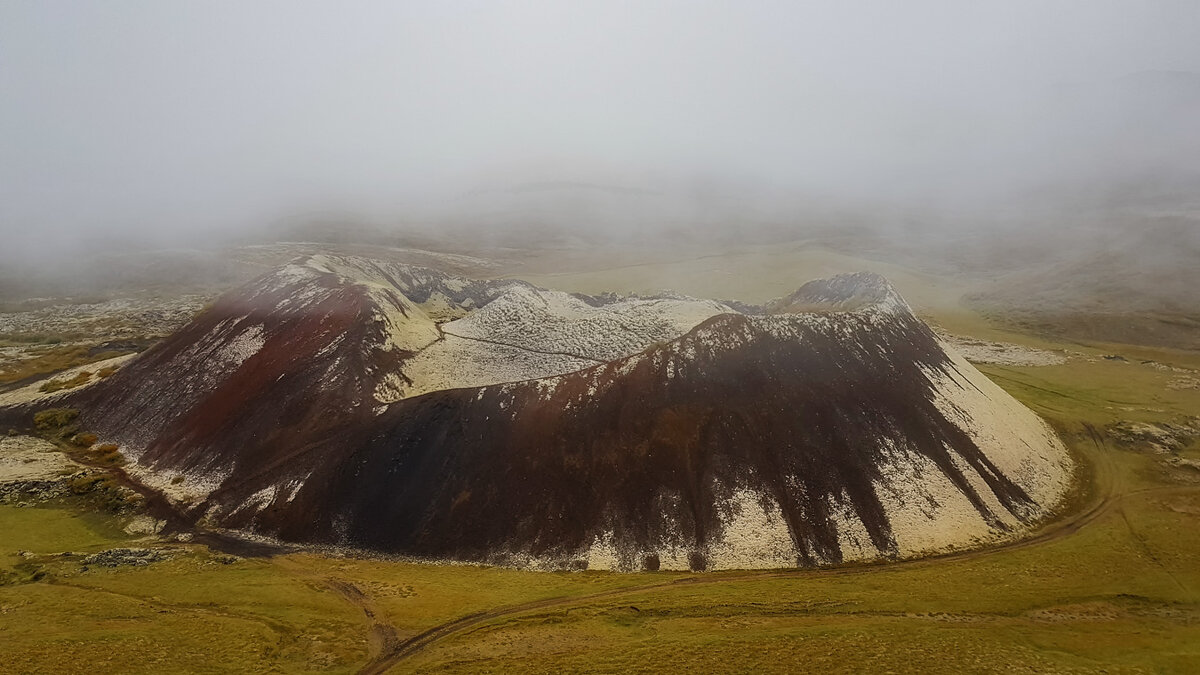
(183, 115)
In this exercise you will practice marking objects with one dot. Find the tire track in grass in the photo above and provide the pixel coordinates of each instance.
(1108, 493)
(382, 636)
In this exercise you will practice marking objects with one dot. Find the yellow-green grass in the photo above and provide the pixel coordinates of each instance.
(1119, 589)
(52, 530)
(47, 360)
(192, 613)
(1119, 592)
(80, 378)
(1098, 392)
(417, 596)
(253, 614)
(1112, 640)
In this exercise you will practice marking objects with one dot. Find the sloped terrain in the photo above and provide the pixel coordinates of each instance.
(348, 402)
(528, 333)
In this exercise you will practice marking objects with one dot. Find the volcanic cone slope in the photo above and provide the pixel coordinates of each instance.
(347, 402)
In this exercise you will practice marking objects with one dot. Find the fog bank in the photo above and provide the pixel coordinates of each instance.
(171, 123)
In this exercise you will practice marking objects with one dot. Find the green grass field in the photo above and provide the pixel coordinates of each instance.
(1113, 585)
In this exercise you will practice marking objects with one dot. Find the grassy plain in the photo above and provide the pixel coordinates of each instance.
(44, 360)
(1113, 585)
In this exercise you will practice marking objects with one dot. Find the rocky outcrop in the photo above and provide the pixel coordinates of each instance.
(33, 470)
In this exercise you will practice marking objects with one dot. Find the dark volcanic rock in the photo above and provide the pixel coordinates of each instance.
(833, 426)
(126, 557)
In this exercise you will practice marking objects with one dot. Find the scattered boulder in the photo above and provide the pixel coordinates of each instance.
(126, 557)
(33, 470)
(1185, 463)
(144, 525)
(1164, 438)
(1001, 353)
(1184, 382)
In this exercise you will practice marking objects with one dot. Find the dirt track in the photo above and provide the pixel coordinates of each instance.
(1107, 491)
(388, 651)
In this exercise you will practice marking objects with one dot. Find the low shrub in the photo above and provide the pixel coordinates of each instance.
(82, 377)
(107, 453)
(54, 418)
(89, 482)
(105, 492)
(85, 440)
(49, 360)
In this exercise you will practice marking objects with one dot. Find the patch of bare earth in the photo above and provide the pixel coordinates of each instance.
(1001, 353)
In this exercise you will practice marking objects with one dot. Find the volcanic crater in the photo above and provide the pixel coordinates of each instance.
(348, 402)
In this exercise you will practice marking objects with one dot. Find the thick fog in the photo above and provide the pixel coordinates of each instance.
(176, 122)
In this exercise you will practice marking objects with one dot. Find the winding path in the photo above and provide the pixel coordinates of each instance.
(1107, 491)
(387, 651)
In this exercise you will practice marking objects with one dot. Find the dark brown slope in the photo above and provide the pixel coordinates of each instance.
(480, 473)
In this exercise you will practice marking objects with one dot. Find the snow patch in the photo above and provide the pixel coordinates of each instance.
(755, 534)
(927, 512)
(1018, 442)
